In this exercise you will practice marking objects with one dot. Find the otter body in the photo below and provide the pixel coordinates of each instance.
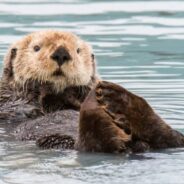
(49, 76)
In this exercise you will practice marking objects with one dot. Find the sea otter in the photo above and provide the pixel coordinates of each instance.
(46, 75)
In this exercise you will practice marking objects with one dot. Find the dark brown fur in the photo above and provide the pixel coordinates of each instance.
(100, 122)
(98, 132)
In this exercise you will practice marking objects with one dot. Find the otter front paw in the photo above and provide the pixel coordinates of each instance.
(56, 141)
(118, 102)
(110, 100)
(99, 133)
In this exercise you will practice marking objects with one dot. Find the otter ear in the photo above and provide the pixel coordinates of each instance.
(8, 60)
(94, 76)
(93, 57)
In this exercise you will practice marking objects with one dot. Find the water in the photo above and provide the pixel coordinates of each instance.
(138, 44)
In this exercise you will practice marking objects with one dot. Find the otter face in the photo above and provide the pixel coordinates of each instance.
(60, 58)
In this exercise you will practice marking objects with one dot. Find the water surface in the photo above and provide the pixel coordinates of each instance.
(139, 45)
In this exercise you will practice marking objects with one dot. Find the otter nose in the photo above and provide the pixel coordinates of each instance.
(61, 56)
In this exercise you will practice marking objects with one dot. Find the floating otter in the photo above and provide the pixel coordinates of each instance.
(45, 72)
(46, 77)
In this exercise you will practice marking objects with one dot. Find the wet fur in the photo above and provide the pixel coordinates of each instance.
(107, 107)
(40, 108)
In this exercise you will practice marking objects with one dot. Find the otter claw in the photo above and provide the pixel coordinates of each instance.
(100, 99)
(98, 92)
(103, 84)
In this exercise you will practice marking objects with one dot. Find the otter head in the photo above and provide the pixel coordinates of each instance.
(60, 58)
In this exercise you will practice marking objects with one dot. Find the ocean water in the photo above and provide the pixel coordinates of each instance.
(139, 45)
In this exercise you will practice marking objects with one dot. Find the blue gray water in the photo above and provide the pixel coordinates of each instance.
(138, 44)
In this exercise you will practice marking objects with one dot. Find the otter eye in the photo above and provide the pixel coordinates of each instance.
(78, 50)
(36, 48)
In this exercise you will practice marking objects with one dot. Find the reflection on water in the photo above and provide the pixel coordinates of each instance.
(138, 44)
